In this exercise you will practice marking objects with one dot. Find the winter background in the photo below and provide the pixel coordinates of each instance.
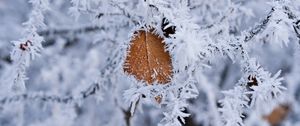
(234, 62)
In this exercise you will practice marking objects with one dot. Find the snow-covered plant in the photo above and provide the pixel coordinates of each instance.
(149, 62)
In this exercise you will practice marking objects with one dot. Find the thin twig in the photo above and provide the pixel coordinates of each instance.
(219, 21)
(126, 13)
(92, 90)
(296, 23)
(66, 31)
(259, 28)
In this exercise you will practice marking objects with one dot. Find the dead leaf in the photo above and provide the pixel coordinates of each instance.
(277, 115)
(147, 60)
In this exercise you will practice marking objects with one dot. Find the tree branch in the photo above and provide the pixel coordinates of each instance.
(296, 23)
(92, 90)
(126, 13)
(259, 28)
(86, 29)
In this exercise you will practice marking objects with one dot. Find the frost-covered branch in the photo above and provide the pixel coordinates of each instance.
(266, 88)
(125, 12)
(43, 97)
(297, 29)
(258, 28)
(225, 16)
(28, 47)
(232, 106)
(296, 21)
(68, 31)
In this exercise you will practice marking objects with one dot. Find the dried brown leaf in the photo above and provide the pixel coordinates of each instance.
(277, 115)
(147, 60)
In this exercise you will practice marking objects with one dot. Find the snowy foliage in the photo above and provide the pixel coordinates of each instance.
(234, 62)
